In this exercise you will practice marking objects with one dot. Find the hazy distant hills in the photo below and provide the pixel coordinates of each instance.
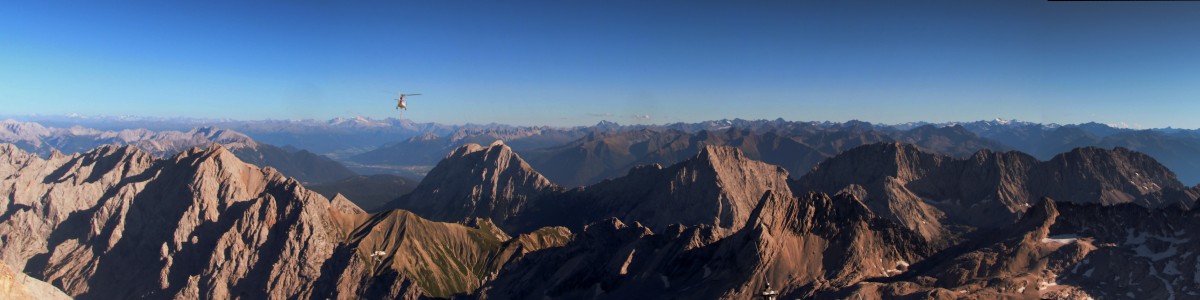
(581, 156)
(1175, 148)
(370, 192)
(301, 164)
(352, 135)
(428, 148)
(795, 146)
(408, 148)
(43, 140)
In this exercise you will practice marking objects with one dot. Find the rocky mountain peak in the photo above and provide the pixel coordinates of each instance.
(223, 136)
(425, 136)
(1040, 216)
(879, 174)
(890, 159)
(21, 130)
(1122, 167)
(217, 158)
(344, 205)
(113, 222)
(475, 181)
(716, 154)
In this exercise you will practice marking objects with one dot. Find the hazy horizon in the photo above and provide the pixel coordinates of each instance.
(209, 121)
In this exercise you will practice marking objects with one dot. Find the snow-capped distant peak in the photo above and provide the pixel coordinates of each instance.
(1123, 125)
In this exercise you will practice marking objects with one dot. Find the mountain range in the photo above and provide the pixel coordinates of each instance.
(696, 211)
(902, 222)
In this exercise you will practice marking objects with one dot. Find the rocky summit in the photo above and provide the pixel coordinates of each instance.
(477, 182)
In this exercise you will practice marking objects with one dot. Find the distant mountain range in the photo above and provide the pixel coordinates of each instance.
(406, 148)
(301, 164)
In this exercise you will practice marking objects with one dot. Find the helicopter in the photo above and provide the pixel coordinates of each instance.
(403, 104)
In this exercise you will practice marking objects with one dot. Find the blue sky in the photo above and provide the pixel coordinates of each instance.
(577, 62)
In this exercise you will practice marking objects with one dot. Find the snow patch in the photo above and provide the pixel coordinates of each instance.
(1137, 241)
(1061, 239)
